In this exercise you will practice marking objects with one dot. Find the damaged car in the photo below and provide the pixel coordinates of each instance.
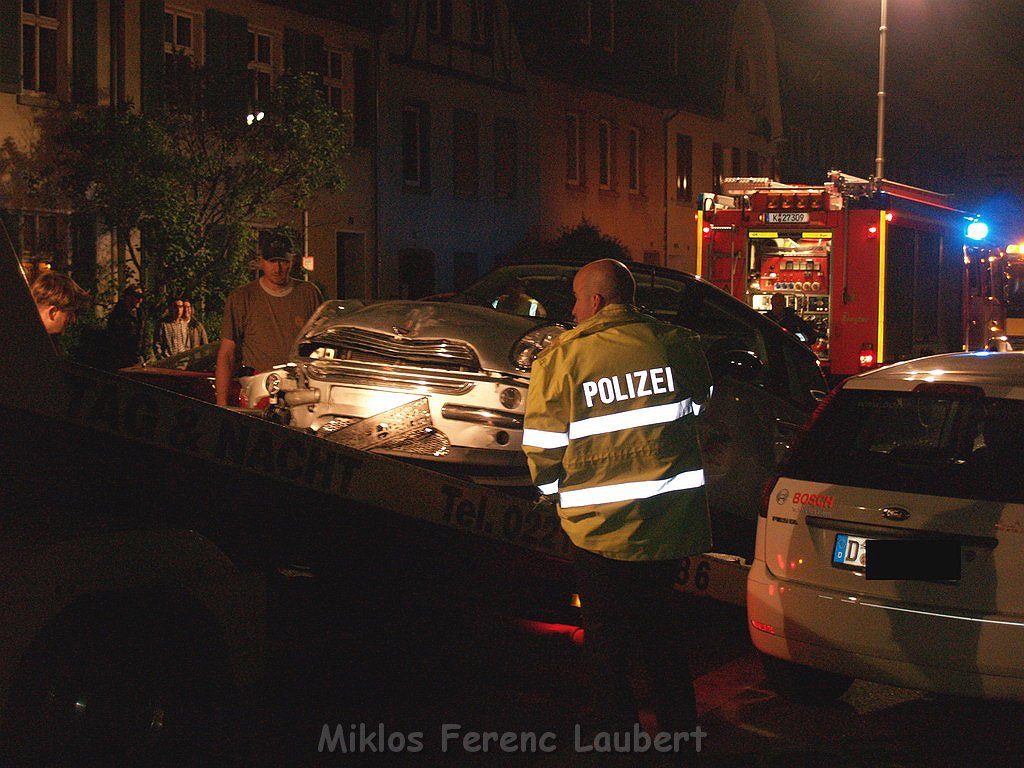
(444, 382)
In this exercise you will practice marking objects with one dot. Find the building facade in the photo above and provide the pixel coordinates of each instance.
(642, 106)
(475, 124)
(455, 188)
(111, 52)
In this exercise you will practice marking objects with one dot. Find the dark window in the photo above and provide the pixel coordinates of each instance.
(465, 153)
(959, 446)
(506, 158)
(684, 167)
(39, 46)
(605, 157)
(416, 146)
(634, 160)
(717, 167)
(736, 155)
(753, 164)
(573, 150)
(260, 67)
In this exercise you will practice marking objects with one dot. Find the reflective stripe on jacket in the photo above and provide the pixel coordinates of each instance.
(611, 426)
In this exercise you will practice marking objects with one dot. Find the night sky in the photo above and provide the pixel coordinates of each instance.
(955, 74)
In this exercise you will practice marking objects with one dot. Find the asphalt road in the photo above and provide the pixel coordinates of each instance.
(366, 685)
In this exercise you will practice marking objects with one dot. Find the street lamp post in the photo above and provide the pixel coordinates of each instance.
(880, 146)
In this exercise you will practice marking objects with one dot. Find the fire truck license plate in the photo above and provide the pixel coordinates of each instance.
(787, 217)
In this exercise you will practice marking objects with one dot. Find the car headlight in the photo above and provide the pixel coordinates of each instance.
(532, 343)
(273, 383)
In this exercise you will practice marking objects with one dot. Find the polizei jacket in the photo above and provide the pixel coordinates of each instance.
(611, 427)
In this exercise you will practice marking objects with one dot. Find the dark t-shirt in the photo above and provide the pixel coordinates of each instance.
(265, 326)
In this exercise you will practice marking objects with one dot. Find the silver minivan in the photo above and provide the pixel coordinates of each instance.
(891, 546)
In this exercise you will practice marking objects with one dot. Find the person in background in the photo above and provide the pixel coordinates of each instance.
(58, 299)
(517, 301)
(787, 317)
(172, 335)
(124, 330)
(262, 319)
(179, 331)
(196, 330)
(611, 431)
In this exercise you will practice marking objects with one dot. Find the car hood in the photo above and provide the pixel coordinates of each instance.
(491, 334)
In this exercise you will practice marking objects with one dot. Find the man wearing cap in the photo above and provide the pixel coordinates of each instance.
(262, 319)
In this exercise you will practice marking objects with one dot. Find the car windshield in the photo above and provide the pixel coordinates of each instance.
(545, 290)
(961, 447)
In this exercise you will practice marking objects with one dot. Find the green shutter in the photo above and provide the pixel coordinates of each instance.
(10, 46)
(83, 56)
(364, 120)
(151, 53)
(227, 58)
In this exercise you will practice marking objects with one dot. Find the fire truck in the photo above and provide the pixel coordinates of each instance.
(874, 266)
(994, 297)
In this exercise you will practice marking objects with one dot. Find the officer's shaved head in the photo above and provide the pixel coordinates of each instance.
(600, 283)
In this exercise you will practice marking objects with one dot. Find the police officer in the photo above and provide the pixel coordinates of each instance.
(611, 427)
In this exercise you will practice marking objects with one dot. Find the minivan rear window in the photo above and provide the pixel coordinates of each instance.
(961, 447)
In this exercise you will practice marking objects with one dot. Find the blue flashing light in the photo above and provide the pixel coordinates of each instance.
(977, 230)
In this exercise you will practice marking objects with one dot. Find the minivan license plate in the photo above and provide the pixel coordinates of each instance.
(849, 551)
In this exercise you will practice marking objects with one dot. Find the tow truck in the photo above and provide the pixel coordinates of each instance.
(140, 527)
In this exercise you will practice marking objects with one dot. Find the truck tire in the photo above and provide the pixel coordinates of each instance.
(111, 684)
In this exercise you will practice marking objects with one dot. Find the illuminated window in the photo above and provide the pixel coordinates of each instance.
(573, 150)
(634, 160)
(260, 67)
(39, 46)
(39, 243)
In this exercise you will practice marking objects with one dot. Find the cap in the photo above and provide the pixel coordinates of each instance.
(278, 256)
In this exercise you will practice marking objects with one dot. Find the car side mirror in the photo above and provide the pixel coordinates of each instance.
(741, 364)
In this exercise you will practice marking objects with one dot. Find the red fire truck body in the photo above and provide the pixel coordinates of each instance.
(994, 298)
(876, 267)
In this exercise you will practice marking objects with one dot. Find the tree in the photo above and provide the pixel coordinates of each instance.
(583, 241)
(191, 178)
